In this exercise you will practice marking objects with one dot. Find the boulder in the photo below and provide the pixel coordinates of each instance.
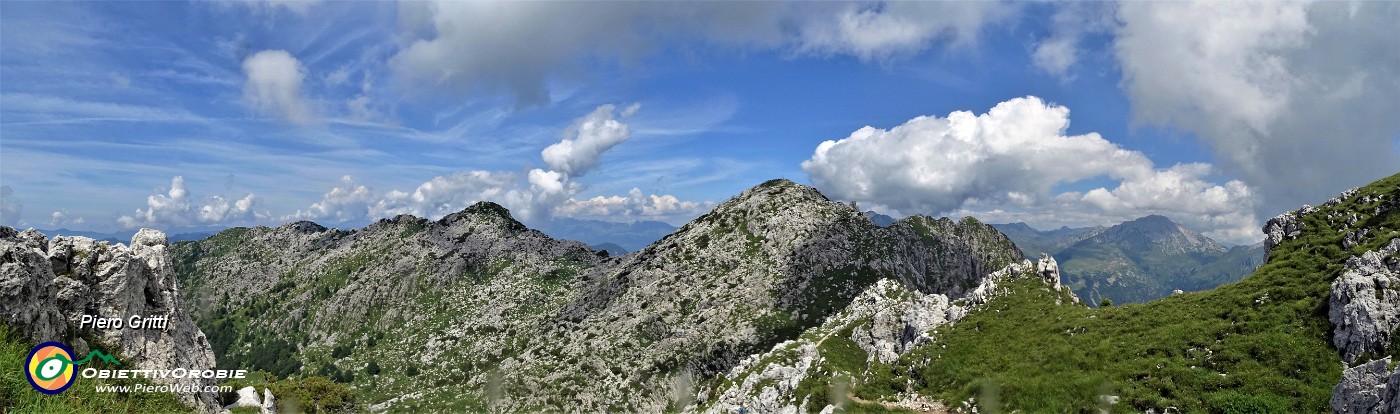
(247, 397)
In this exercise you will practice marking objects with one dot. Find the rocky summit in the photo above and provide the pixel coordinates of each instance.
(48, 288)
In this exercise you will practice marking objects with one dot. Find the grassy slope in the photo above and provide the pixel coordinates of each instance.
(17, 396)
(1258, 345)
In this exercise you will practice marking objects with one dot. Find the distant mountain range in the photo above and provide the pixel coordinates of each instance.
(629, 236)
(1136, 261)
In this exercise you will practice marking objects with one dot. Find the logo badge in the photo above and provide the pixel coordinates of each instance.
(50, 367)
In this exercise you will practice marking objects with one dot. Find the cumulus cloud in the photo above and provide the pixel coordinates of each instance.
(1017, 154)
(351, 202)
(63, 218)
(10, 208)
(348, 202)
(634, 206)
(274, 85)
(174, 207)
(450, 193)
(521, 47)
(1285, 93)
(587, 140)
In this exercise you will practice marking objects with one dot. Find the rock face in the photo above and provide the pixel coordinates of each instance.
(1364, 304)
(899, 319)
(47, 286)
(1049, 270)
(1368, 388)
(25, 276)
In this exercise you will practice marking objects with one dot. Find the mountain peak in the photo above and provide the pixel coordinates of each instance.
(1154, 219)
(484, 211)
(773, 195)
(1158, 231)
(304, 226)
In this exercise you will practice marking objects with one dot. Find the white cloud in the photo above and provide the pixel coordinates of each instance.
(520, 47)
(338, 77)
(1059, 52)
(1298, 99)
(1017, 154)
(349, 202)
(586, 141)
(174, 208)
(62, 218)
(274, 85)
(10, 208)
(299, 7)
(881, 30)
(354, 203)
(1055, 55)
(633, 206)
(450, 193)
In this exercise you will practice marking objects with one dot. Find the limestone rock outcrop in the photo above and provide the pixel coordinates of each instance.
(1364, 303)
(48, 286)
(1049, 270)
(899, 319)
(1368, 388)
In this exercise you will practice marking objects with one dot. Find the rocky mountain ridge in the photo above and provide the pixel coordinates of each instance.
(460, 302)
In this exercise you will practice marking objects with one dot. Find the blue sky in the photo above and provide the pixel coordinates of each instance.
(179, 115)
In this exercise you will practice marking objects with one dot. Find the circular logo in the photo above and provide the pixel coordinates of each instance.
(50, 368)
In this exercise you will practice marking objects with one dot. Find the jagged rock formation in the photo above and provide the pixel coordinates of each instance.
(46, 286)
(1049, 270)
(1369, 388)
(467, 298)
(885, 321)
(1364, 305)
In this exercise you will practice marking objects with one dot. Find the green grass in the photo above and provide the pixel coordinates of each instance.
(1226, 350)
(17, 396)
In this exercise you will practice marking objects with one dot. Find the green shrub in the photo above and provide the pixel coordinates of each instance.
(312, 395)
